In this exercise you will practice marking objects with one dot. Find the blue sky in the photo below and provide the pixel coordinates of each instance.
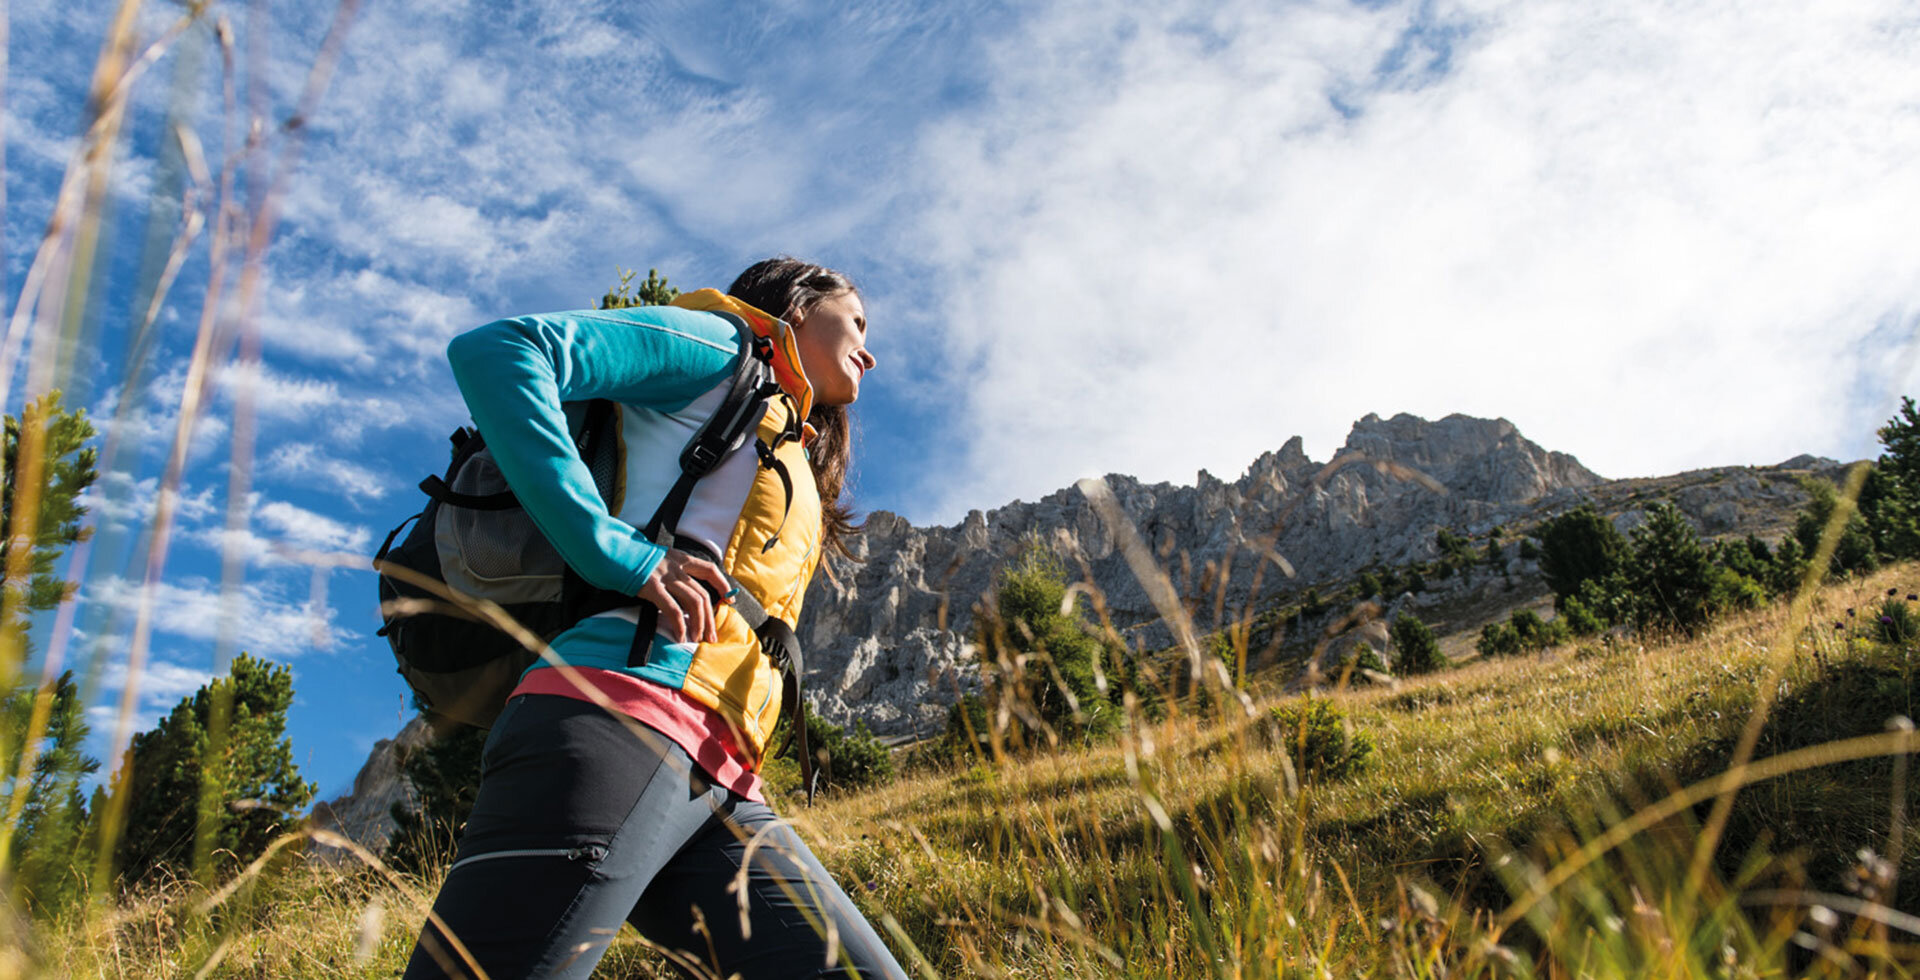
(1093, 238)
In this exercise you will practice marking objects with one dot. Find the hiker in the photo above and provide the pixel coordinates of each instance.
(648, 811)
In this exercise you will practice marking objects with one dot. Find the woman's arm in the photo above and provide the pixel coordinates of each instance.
(515, 373)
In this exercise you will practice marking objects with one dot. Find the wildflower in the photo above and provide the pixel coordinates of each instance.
(1887, 620)
(1912, 598)
(1849, 612)
(1839, 625)
(1892, 591)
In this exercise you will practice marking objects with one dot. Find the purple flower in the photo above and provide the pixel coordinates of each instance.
(1849, 613)
(1887, 620)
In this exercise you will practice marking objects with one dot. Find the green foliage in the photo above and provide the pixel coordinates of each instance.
(1456, 552)
(1580, 620)
(1041, 665)
(1528, 549)
(1896, 624)
(1789, 569)
(1418, 651)
(49, 844)
(845, 760)
(1577, 547)
(1498, 639)
(1368, 585)
(1671, 576)
(1528, 626)
(47, 444)
(1732, 591)
(244, 769)
(1854, 552)
(47, 466)
(653, 291)
(445, 776)
(1321, 740)
(1367, 658)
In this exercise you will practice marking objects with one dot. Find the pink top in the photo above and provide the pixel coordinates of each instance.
(691, 725)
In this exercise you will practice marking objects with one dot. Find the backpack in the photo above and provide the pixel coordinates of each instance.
(473, 539)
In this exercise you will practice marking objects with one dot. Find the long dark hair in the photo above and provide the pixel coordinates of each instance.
(789, 288)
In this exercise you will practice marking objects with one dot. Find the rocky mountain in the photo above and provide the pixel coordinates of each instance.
(887, 635)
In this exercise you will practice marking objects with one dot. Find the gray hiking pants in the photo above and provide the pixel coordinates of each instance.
(581, 825)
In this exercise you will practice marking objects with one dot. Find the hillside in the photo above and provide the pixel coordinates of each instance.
(1196, 846)
(888, 635)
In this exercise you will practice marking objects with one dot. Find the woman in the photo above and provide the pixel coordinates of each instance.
(649, 811)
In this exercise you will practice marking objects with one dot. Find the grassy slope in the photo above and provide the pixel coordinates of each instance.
(1179, 851)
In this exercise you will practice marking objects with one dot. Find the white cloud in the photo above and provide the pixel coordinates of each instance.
(306, 462)
(305, 529)
(260, 619)
(1656, 237)
(117, 501)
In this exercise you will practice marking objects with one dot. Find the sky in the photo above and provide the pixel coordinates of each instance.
(1092, 237)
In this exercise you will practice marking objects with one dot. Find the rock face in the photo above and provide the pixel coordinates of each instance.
(363, 814)
(888, 638)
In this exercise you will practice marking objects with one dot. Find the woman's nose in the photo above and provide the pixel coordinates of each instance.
(865, 357)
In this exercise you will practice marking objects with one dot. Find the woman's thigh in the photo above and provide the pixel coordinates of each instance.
(791, 919)
(575, 815)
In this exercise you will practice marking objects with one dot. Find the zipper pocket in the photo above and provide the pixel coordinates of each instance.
(589, 852)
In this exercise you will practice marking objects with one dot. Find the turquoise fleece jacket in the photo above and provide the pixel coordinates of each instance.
(516, 373)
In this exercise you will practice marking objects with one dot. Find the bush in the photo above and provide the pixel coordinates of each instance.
(1418, 650)
(1733, 591)
(1039, 662)
(845, 760)
(1670, 573)
(1321, 741)
(1854, 552)
(1365, 658)
(1498, 639)
(1577, 547)
(1579, 619)
(1529, 627)
(1368, 585)
(1897, 623)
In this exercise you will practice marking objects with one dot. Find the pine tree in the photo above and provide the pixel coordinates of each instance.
(1854, 552)
(47, 849)
(47, 467)
(1578, 546)
(1670, 573)
(1040, 660)
(654, 291)
(253, 780)
(1416, 649)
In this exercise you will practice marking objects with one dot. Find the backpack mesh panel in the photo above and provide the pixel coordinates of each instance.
(495, 554)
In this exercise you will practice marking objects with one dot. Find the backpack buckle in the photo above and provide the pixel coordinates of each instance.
(703, 457)
(762, 347)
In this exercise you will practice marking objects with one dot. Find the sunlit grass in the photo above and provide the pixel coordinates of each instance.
(1557, 815)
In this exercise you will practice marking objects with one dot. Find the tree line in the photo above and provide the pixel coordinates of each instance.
(202, 793)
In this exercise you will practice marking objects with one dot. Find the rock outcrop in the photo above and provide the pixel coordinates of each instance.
(888, 637)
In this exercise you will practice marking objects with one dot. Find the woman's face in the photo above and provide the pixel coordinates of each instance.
(832, 339)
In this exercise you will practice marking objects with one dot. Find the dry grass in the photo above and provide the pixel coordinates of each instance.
(1179, 850)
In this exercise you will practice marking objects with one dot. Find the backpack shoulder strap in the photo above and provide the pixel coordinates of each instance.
(723, 431)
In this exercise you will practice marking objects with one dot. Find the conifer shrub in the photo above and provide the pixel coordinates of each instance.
(847, 760)
(1580, 620)
(1320, 739)
(1498, 640)
(1418, 651)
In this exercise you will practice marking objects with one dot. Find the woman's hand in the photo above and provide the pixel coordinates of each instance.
(679, 588)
